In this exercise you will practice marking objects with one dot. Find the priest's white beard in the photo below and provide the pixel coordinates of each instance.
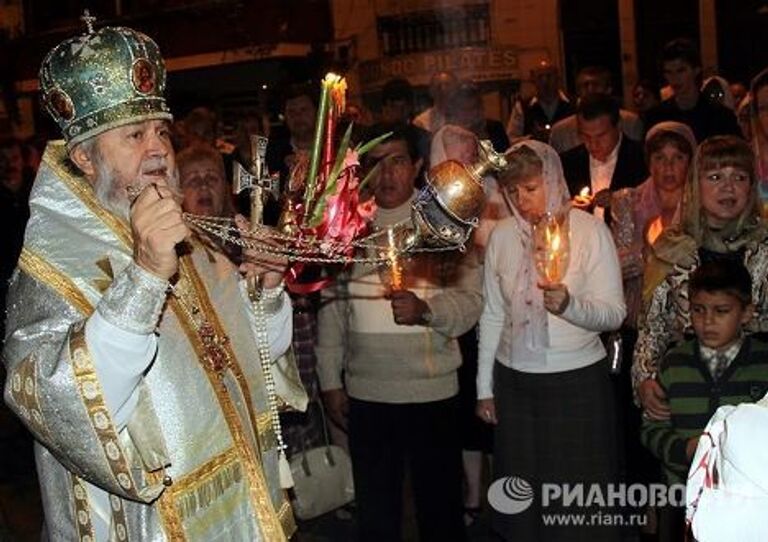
(110, 185)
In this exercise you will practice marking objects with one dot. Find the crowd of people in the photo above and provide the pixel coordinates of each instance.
(154, 408)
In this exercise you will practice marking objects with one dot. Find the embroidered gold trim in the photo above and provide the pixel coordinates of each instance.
(92, 395)
(119, 523)
(287, 519)
(82, 510)
(190, 481)
(200, 488)
(266, 432)
(54, 157)
(171, 522)
(268, 520)
(200, 293)
(23, 390)
(39, 269)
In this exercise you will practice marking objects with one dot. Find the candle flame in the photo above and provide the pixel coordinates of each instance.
(553, 257)
(337, 91)
(584, 192)
(396, 281)
(331, 78)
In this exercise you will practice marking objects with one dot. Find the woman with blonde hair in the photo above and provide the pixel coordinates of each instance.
(720, 220)
(543, 379)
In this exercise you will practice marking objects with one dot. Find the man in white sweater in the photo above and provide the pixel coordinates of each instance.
(399, 356)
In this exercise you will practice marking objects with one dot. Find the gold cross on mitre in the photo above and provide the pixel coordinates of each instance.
(88, 19)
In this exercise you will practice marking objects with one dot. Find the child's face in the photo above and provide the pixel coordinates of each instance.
(717, 317)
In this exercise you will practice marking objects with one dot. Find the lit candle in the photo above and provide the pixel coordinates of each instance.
(310, 186)
(583, 199)
(553, 269)
(551, 248)
(396, 272)
(337, 94)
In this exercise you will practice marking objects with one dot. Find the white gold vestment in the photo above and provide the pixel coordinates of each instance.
(196, 458)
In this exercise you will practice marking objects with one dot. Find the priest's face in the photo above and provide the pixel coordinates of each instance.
(134, 155)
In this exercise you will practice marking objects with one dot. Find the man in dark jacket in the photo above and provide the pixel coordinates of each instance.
(682, 69)
(606, 160)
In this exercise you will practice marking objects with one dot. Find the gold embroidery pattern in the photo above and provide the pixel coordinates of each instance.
(47, 274)
(218, 353)
(266, 431)
(54, 158)
(82, 511)
(287, 520)
(197, 490)
(268, 519)
(92, 396)
(119, 523)
(102, 283)
(168, 514)
(23, 390)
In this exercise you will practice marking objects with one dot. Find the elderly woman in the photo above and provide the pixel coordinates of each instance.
(720, 220)
(640, 214)
(204, 189)
(542, 377)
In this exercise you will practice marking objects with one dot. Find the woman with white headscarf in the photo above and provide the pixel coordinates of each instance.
(542, 378)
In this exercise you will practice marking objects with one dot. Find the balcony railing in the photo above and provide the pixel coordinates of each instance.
(432, 30)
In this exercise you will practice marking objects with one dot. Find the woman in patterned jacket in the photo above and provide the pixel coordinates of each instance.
(720, 220)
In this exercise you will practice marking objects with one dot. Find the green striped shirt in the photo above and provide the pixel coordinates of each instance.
(694, 396)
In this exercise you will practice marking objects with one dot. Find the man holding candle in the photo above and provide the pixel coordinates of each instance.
(606, 160)
(398, 352)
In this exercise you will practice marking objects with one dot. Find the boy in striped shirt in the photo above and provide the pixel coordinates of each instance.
(719, 366)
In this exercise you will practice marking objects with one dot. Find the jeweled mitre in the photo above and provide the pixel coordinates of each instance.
(101, 80)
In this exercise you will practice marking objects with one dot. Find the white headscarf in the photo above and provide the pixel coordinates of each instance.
(528, 303)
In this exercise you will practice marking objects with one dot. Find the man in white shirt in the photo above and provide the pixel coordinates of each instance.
(605, 161)
(592, 80)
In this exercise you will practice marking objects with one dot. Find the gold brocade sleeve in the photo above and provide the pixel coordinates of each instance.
(53, 386)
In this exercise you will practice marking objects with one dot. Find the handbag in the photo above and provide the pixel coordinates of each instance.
(322, 478)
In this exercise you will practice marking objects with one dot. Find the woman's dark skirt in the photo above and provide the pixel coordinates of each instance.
(556, 428)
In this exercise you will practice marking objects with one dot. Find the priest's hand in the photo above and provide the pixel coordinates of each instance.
(157, 227)
(268, 268)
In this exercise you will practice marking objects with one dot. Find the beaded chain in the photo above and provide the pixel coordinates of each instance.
(265, 360)
(307, 250)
